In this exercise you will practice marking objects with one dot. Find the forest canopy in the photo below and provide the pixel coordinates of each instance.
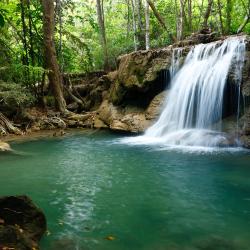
(90, 35)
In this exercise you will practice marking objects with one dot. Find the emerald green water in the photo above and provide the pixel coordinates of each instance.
(91, 187)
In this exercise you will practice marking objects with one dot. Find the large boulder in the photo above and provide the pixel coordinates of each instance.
(137, 74)
(22, 223)
(129, 118)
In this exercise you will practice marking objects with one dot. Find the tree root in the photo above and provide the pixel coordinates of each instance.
(6, 126)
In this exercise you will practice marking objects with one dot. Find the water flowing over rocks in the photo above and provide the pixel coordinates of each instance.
(141, 79)
(22, 223)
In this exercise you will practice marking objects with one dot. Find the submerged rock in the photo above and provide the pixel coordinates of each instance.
(22, 223)
(218, 243)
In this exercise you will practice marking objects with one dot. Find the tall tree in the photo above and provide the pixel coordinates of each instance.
(134, 25)
(190, 28)
(246, 18)
(60, 22)
(24, 36)
(229, 8)
(160, 19)
(31, 43)
(140, 26)
(220, 16)
(100, 15)
(55, 77)
(180, 24)
(207, 13)
(147, 38)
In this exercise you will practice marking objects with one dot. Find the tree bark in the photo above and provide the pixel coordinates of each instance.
(139, 19)
(245, 22)
(190, 15)
(181, 21)
(32, 54)
(134, 25)
(229, 17)
(160, 19)
(50, 55)
(147, 38)
(128, 18)
(100, 15)
(207, 13)
(6, 125)
(60, 22)
(220, 16)
(246, 19)
(24, 37)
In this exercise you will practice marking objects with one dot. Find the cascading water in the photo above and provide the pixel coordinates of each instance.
(195, 100)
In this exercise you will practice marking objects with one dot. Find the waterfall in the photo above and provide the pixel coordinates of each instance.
(194, 103)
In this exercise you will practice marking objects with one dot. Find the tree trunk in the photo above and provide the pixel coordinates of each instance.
(24, 38)
(147, 38)
(229, 17)
(246, 19)
(160, 19)
(220, 16)
(181, 21)
(50, 55)
(245, 22)
(128, 18)
(190, 28)
(139, 19)
(134, 25)
(7, 126)
(207, 13)
(101, 23)
(60, 22)
(32, 54)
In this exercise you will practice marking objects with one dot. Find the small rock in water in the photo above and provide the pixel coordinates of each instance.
(110, 237)
(4, 146)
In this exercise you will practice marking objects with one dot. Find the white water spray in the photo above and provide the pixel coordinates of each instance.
(195, 101)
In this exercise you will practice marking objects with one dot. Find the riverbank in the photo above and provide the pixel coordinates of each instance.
(44, 134)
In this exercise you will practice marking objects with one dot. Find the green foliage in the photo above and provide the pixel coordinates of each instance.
(77, 34)
(14, 95)
(23, 74)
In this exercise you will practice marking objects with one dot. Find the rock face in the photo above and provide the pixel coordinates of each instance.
(137, 73)
(130, 118)
(22, 224)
